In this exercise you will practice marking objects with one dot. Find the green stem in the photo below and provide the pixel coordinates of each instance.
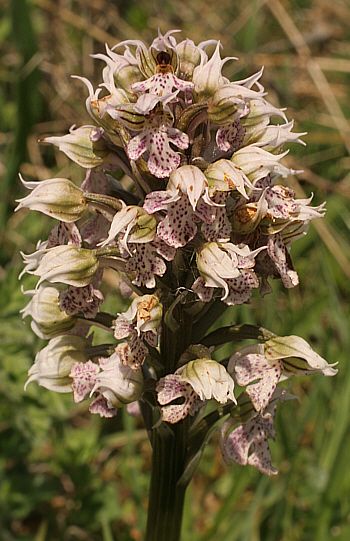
(102, 319)
(102, 350)
(169, 442)
(101, 252)
(166, 496)
(102, 199)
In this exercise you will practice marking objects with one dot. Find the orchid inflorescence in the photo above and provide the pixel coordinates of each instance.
(205, 224)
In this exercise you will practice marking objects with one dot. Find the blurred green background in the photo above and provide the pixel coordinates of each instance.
(66, 475)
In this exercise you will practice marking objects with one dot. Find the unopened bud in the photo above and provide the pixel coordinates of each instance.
(189, 56)
(305, 359)
(207, 76)
(260, 112)
(68, 264)
(52, 364)
(246, 218)
(126, 75)
(224, 176)
(84, 145)
(139, 226)
(209, 379)
(230, 102)
(56, 197)
(222, 108)
(119, 384)
(47, 318)
(257, 163)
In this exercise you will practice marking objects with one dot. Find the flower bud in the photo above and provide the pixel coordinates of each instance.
(207, 76)
(209, 379)
(56, 197)
(48, 320)
(257, 163)
(84, 145)
(119, 384)
(224, 176)
(128, 115)
(260, 112)
(52, 364)
(247, 217)
(68, 264)
(215, 264)
(305, 360)
(230, 102)
(189, 57)
(272, 138)
(147, 312)
(139, 226)
(145, 230)
(126, 75)
(188, 180)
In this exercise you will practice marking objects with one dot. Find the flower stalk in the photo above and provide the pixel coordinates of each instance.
(167, 494)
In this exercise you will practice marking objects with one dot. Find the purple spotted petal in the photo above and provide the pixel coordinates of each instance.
(163, 249)
(172, 387)
(95, 182)
(151, 338)
(248, 444)
(280, 201)
(64, 233)
(220, 230)
(161, 84)
(81, 299)
(253, 367)
(205, 211)
(133, 352)
(237, 445)
(204, 293)
(178, 138)
(122, 328)
(156, 201)
(137, 146)
(230, 137)
(146, 264)
(178, 227)
(245, 262)
(162, 159)
(277, 252)
(240, 288)
(260, 185)
(84, 379)
(99, 406)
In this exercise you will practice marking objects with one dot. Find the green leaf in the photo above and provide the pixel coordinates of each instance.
(235, 333)
(194, 457)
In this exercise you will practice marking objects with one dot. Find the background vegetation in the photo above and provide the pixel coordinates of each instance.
(66, 475)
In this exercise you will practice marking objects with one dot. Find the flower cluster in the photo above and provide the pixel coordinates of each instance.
(208, 221)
